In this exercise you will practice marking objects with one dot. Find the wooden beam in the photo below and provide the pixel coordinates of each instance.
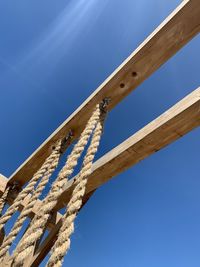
(179, 28)
(170, 126)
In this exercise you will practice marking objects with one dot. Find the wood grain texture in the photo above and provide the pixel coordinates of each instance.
(179, 28)
(170, 126)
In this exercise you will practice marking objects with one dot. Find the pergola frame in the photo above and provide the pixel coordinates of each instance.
(174, 32)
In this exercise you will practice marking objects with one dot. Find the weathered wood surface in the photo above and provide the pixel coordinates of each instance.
(179, 28)
(170, 126)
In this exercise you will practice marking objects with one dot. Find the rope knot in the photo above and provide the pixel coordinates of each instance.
(103, 105)
(66, 141)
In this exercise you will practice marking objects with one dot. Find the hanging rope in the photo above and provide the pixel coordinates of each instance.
(28, 189)
(2, 204)
(55, 156)
(62, 244)
(37, 226)
(3, 199)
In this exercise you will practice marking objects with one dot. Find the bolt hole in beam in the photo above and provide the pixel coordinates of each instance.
(134, 74)
(122, 85)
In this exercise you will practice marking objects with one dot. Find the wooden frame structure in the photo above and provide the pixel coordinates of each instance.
(178, 29)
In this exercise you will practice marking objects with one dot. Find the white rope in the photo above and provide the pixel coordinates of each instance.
(29, 206)
(62, 244)
(28, 189)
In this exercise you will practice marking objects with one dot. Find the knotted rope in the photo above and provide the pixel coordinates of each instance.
(28, 189)
(37, 226)
(62, 244)
(55, 156)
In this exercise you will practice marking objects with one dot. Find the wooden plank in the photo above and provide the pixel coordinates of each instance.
(171, 125)
(179, 28)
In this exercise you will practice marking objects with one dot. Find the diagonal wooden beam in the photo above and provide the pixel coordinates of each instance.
(176, 30)
(170, 126)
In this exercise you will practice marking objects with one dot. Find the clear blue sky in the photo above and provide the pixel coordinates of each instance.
(53, 54)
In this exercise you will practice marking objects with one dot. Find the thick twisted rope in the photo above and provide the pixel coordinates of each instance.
(28, 189)
(28, 208)
(37, 226)
(62, 244)
(3, 199)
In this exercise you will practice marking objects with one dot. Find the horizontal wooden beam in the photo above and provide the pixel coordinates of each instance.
(179, 28)
(171, 125)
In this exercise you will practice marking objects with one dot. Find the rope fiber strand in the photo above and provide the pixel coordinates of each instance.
(37, 226)
(62, 244)
(28, 189)
(3, 199)
(55, 156)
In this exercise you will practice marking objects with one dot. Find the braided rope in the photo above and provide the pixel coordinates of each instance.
(3, 199)
(28, 189)
(37, 226)
(28, 208)
(62, 244)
